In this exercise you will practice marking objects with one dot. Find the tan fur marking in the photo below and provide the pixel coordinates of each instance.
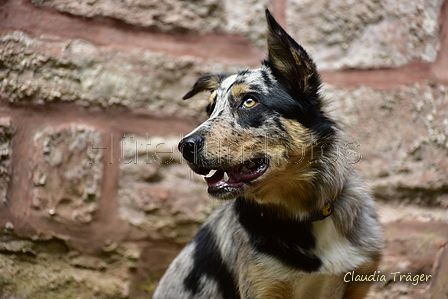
(257, 277)
(307, 70)
(238, 90)
(299, 133)
(212, 83)
(290, 180)
(212, 98)
(290, 187)
(229, 149)
(275, 290)
(280, 65)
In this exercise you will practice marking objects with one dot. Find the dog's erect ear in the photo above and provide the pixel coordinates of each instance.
(289, 61)
(206, 83)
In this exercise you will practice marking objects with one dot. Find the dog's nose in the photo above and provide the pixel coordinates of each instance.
(190, 146)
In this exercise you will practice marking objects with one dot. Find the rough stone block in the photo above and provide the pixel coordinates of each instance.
(41, 72)
(439, 288)
(403, 138)
(158, 193)
(174, 15)
(67, 173)
(366, 34)
(6, 133)
(47, 270)
(411, 260)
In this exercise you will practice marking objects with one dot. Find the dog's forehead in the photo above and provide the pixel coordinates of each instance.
(247, 78)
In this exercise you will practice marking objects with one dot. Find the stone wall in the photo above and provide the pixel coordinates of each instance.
(95, 200)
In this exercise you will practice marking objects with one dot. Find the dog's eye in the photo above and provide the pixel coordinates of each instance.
(249, 102)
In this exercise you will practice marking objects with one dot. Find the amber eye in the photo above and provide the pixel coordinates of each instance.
(249, 102)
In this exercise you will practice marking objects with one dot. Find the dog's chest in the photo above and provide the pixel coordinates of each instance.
(306, 262)
(309, 247)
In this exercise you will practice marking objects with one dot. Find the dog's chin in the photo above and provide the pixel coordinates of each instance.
(230, 182)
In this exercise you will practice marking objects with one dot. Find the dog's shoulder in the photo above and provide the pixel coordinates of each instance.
(205, 267)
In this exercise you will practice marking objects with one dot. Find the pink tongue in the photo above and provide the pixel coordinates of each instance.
(234, 177)
(216, 178)
(245, 176)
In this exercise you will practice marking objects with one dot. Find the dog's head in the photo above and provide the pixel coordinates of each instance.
(263, 123)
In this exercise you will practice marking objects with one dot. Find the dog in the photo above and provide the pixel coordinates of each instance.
(296, 216)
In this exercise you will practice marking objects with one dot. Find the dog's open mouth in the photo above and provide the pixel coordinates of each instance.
(231, 180)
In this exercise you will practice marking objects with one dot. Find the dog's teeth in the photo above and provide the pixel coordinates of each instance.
(226, 177)
(211, 173)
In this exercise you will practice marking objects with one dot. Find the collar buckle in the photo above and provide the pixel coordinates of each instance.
(326, 211)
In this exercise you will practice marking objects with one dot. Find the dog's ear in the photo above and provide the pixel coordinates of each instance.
(289, 62)
(205, 83)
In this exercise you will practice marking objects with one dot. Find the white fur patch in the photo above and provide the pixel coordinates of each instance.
(338, 255)
(221, 98)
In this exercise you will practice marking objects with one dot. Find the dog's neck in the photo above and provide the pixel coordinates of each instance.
(285, 211)
(295, 194)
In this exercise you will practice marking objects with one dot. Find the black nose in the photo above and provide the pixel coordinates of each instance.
(190, 146)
